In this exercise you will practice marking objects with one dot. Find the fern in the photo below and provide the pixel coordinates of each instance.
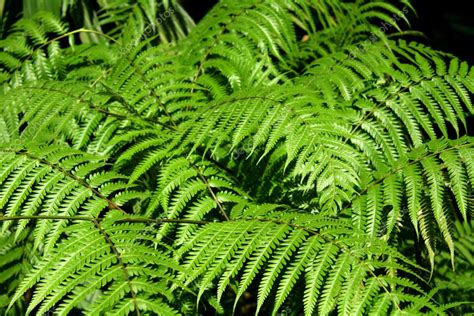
(98, 254)
(286, 153)
(459, 281)
(224, 249)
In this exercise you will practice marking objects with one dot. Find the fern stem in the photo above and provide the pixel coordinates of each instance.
(92, 106)
(111, 204)
(118, 255)
(375, 182)
(93, 219)
(44, 217)
(209, 188)
(81, 30)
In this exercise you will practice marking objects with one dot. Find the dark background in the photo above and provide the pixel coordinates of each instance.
(448, 25)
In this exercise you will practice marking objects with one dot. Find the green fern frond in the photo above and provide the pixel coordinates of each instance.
(284, 252)
(15, 253)
(28, 54)
(111, 260)
(438, 166)
(166, 19)
(457, 282)
(55, 182)
(289, 153)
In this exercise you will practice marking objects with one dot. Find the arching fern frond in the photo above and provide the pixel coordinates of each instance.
(438, 173)
(69, 115)
(166, 19)
(15, 254)
(347, 128)
(459, 282)
(191, 189)
(27, 53)
(113, 261)
(285, 152)
(54, 181)
(278, 254)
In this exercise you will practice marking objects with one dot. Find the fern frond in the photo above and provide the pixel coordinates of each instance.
(221, 249)
(458, 281)
(28, 55)
(279, 150)
(55, 181)
(167, 19)
(439, 166)
(110, 259)
(15, 252)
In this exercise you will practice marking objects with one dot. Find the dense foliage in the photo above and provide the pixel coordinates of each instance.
(279, 157)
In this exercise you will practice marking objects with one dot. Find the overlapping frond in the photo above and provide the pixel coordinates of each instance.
(281, 151)
(331, 134)
(457, 284)
(102, 267)
(55, 181)
(64, 113)
(425, 185)
(15, 255)
(27, 54)
(278, 253)
(166, 19)
(183, 182)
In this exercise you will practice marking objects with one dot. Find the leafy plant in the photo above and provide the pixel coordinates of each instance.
(122, 20)
(284, 156)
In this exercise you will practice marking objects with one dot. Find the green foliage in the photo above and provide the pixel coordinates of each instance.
(118, 18)
(286, 153)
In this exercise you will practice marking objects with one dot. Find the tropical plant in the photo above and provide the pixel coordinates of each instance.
(122, 20)
(284, 156)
